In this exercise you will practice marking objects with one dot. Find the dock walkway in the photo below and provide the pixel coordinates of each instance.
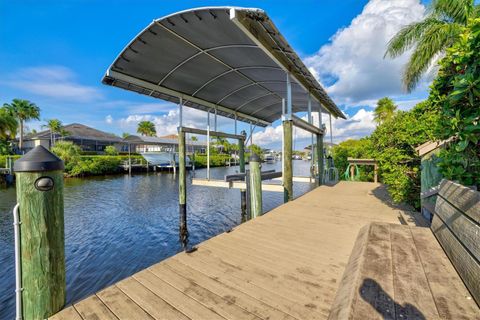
(286, 264)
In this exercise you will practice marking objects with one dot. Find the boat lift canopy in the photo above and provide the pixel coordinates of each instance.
(231, 60)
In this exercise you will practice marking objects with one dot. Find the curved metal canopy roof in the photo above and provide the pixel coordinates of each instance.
(230, 59)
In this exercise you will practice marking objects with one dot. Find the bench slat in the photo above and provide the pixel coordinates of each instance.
(465, 264)
(463, 198)
(412, 293)
(447, 288)
(467, 231)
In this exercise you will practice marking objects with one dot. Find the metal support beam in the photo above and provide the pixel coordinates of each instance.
(302, 124)
(289, 97)
(310, 120)
(331, 131)
(213, 133)
(180, 112)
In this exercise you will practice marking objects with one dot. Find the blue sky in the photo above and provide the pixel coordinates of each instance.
(54, 53)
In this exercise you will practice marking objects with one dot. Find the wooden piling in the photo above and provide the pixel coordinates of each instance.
(42, 240)
(287, 161)
(241, 161)
(320, 164)
(182, 184)
(255, 186)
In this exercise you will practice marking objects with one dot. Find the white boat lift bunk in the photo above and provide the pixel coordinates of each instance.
(229, 61)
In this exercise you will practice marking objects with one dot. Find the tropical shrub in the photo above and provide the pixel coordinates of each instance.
(456, 91)
(111, 151)
(68, 152)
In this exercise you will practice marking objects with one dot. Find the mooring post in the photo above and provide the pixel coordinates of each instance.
(287, 145)
(320, 159)
(241, 161)
(182, 184)
(255, 186)
(42, 239)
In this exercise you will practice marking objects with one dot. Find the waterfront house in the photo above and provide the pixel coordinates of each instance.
(167, 143)
(87, 138)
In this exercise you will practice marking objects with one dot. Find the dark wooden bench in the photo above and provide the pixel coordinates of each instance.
(404, 272)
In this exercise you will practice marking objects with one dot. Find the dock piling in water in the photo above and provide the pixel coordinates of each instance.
(42, 239)
(255, 186)
(182, 186)
(241, 161)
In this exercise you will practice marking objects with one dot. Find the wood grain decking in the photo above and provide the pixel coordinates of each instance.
(286, 264)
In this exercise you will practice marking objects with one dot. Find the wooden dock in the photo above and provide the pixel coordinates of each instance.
(286, 264)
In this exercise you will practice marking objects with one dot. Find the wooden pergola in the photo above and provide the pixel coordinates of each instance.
(363, 162)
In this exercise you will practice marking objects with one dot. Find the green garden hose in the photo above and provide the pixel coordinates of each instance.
(347, 173)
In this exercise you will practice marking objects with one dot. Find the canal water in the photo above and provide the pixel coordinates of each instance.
(118, 225)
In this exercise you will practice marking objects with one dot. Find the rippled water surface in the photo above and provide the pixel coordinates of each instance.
(118, 225)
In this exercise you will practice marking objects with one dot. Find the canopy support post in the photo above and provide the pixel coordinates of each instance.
(310, 120)
(208, 144)
(243, 192)
(287, 146)
(182, 187)
(320, 153)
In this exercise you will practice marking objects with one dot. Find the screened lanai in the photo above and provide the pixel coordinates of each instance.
(227, 59)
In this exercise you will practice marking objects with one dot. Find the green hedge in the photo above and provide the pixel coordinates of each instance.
(3, 160)
(216, 160)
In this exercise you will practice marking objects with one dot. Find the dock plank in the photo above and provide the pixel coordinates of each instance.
(155, 306)
(230, 293)
(191, 308)
(283, 265)
(121, 305)
(222, 306)
(68, 314)
(92, 308)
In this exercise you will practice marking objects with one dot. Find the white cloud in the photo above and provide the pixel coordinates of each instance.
(168, 122)
(55, 82)
(109, 119)
(359, 125)
(352, 64)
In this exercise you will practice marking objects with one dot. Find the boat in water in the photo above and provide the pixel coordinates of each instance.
(164, 159)
(269, 158)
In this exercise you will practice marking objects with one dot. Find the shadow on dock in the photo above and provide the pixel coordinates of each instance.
(372, 292)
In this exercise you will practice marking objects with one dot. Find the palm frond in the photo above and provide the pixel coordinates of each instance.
(457, 11)
(409, 35)
(434, 41)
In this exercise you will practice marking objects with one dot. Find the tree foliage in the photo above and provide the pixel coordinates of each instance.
(430, 37)
(111, 151)
(385, 110)
(393, 144)
(147, 128)
(456, 91)
(23, 111)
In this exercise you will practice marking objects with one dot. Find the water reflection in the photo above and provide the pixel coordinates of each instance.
(118, 225)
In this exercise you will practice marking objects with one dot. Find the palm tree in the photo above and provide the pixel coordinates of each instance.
(385, 110)
(146, 128)
(429, 38)
(55, 126)
(125, 134)
(23, 111)
(8, 125)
